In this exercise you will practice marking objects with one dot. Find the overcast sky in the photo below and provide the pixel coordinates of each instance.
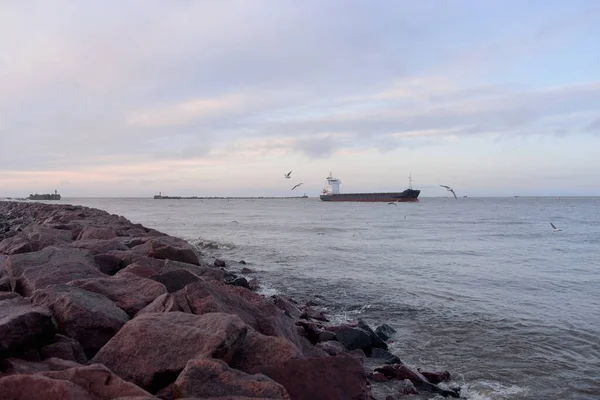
(129, 98)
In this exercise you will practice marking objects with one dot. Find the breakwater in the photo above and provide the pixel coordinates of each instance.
(95, 306)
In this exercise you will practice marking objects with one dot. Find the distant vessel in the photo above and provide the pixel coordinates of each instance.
(48, 196)
(331, 192)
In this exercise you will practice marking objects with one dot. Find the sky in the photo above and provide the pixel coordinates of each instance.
(221, 98)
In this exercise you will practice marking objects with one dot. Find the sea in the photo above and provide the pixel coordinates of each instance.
(482, 287)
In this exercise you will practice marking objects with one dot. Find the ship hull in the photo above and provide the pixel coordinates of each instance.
(406, 196)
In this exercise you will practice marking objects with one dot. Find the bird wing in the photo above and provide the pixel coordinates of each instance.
(453, 193)
(553, 227)
(447, 187)
(296, 186)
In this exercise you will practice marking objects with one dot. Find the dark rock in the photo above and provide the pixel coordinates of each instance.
(286, 304)
(311, 329)
(143, 271)
(5, 284)
(385, 332)
(108, 263)
(99, 246)
(253, 284)
(219, 263)
(403, 372)
(321, 378)
(23, 325)
(27, 387)
(311, 313)
(239, 281)
(152, 349)
(64, 348)
(247, 271)
(325, 336)
(206, 273)
(385, 356)
(353, 338)
(205, 377)
(259, 350)
(436, 376)
(52, 265)
(128, 291)
(169, 248)
(376, 341)
(20, 366)
(406, 387)
(243, 262)
(176, 279)
(88, 317)
(332, 348)
(379, 377)
(9, 295)
(389, 371)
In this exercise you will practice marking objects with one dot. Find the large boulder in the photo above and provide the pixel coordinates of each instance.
(96, 232)
(65, 348)
(23, 325)
(88, 317)
(33, 238)
(52, 265)
(152, 349)
(169, 248)
(203, 297)
(385, 332)
(360, 337)
(207, 273)
(99, 246)
(205, 377)
(27, 387)
(176, 280)
(128, 291)
(321, 378)
(259, 350)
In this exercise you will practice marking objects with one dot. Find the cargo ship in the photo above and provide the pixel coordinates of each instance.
(331, 192)
(48, 196)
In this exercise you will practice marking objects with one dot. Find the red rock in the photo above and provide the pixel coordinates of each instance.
(52, 265)
(247, 270)
(152, 349)
(88, 317)
(108, 263)
(23, 325)
(65, 348)
(98, 381)
(163, 303)
(28, 387)
(143, 271)
(205, 377)
(259, 350)
(176, 280)
(99, 246)
(219, 263)
(207, 273)
(19, 366)
(34, 238)
(332, 348)
(128, 291)
(321, 378)
(379, 377)
(253, 284)
(167, 247)
(253, 309)
(286, 304)
(96, 232)
(311, 313)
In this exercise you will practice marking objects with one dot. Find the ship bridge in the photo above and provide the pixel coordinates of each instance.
(333, 185)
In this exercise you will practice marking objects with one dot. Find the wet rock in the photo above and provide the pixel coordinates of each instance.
(27, 387)
(169, 248)
(406, 387)
(311, 331)
(325, 336)
(64, 348)
(96, 232)
(353, 338)
(219, 263)
(402, 372)
(253, 284)
(98, 381)
(259, 350)
(88, 317)
(239, 281)
(176, 280)
(23, 325)
(385, 356)
(379, 377)
(311, 313)
(254, 310)
(52, 265)
(376, 341)
(247, 271)
(128, 291)
(242, 262)
(205, 377)
(313, 379)
(286, 304)
(436, 376)
(389, 371)
(385, 332)
(152, 349)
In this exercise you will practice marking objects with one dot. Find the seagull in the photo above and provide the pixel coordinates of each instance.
(393, 202)
(554, 229)
(297, 186)
(448, 188)
(288, 175)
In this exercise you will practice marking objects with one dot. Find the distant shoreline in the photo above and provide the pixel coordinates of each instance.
(227, 198)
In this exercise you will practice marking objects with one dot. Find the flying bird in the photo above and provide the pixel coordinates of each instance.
(554, 229)
(296, 186)
(393, 202)
(288, 175)
(448, 188)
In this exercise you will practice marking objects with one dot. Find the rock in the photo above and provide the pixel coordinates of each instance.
(108, 263)
(325, 336)
(19, 366)
(99, 246)
(239, 281)
(169, 248)
(96, 232)
(163, 303)
(88, 317)
(379, 377)
(143, 271)
(332, 348)
(176, 280)
(353, 338)
(219, 263)
(311, 313)
(5, 284)
(9, 295)
(406, 387)
(385, 356)
(242, 262)
(64, 348)
(385, 332)
(247, 271)
(207, 273)
(152, 349)
(27, 387)
(128, 291)
(259, 350)
(321, 378)
(311, 331)
(254, 310)
(389, 371)
(98, 381)
(402, 372)
(253, 284)
(376, 341)
(436, 376)
(52, 265)
(286, 304)
(23, 325)
(205, 377)
(34, 238)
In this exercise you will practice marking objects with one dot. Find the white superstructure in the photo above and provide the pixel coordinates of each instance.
(333, 185)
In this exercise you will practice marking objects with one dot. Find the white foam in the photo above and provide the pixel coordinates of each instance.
(487, 390)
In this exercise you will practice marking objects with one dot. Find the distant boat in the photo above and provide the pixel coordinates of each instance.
(331, 192)
(47, 196)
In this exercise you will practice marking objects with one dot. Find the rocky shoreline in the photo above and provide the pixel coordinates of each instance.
(93, 306)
